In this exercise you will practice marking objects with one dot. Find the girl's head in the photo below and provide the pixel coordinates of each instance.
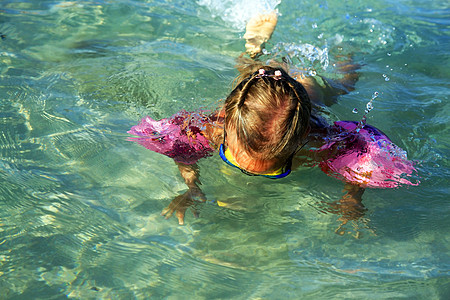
(266, 117)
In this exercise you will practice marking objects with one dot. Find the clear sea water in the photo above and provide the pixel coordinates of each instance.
(80, 205)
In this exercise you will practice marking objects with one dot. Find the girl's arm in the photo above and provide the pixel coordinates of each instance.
(349, 207)
(190, 174)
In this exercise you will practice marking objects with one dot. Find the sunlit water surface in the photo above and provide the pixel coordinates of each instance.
(80, 205)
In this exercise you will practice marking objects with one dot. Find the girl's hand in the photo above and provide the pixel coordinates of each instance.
(350, 205)
(182, 202)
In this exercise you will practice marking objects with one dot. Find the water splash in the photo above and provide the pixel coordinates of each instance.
(369, 107)
(238, 12)
(309, 57)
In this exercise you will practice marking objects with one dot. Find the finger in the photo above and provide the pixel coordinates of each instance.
(195, 212)
(199, 195)
(180, 216)
(167, 212)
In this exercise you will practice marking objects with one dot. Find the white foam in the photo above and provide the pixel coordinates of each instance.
(307, 56)
(238, 12)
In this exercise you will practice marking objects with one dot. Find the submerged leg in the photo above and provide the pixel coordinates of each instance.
(349, 69)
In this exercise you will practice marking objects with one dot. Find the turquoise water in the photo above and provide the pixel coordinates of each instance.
(80, 205)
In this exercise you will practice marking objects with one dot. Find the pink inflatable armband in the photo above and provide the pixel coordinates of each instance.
(366, 157)
(179, 137)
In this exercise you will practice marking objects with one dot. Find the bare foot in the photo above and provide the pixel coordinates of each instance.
(258, 31)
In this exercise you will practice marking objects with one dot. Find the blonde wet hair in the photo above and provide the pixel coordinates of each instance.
(268, 113)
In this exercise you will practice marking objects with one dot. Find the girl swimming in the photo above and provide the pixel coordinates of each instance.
(263, 127)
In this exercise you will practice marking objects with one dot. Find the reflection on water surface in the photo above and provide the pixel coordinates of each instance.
(80, 205)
